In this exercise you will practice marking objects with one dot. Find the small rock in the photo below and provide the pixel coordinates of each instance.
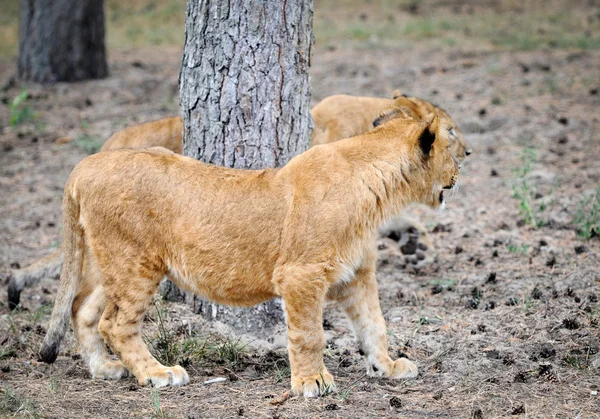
(395, 402)
(547, 351)
(491, 278)
(570, 324)
(490, 305)
(518, 410)
(580, 249)
(333, 406)
(458, 250)
(472, 304)
(482, 112)
(493, 354)
(593, 91)
(438, 395)
(563, 120)
(551, 261)
(494, 173)
(521, 377)
(436, 289)
(537, 294)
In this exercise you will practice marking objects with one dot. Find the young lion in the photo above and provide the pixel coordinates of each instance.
(335, 117)
(305, 232)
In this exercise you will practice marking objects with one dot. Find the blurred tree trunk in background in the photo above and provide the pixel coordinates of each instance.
(61, 40)
(245, 98)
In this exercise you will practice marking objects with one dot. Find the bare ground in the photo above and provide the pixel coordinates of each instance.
(505, 323)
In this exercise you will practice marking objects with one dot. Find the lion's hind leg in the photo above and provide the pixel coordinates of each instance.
(87, 308)
(360, 301)
(126, 304)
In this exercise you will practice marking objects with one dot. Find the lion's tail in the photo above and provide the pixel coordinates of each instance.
(71, 272)
(47, 267)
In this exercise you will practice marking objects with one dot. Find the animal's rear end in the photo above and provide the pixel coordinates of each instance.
(73, 258)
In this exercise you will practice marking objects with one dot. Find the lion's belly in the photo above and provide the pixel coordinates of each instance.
(219, 278)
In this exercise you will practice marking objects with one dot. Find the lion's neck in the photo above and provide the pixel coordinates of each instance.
(390, 180)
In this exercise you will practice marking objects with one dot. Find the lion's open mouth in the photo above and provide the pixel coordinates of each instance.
(441, 197)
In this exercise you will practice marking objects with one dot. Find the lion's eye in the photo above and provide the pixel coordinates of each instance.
(451, 131)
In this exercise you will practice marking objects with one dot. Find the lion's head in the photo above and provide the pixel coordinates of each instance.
(433, 167)
(421, 109)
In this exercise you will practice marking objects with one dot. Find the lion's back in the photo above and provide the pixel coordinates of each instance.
(344, 116)
(166, 132)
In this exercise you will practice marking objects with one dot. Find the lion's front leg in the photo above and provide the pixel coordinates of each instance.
(303, 296)
(360, 301)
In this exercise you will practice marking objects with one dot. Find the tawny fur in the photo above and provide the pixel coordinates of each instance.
(241, 237)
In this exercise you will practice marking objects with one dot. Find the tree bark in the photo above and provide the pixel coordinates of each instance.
(245, 98)
(61, 40)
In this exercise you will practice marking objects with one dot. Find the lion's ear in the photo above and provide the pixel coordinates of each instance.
(428, 136)
(389, 113)
(396, 94)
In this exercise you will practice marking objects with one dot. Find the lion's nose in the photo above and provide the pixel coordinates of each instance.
(468, 152)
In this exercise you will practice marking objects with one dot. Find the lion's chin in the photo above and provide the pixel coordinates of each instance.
(436, 200)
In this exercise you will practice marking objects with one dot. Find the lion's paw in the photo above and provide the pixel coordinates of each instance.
(109, 370)
(313, 386)
(165, 376)
(403, 368)
(412, 240)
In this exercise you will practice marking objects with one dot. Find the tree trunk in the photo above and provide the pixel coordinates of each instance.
(245, 98)
(61, 40)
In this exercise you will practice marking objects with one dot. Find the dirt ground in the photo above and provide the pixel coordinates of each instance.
(505, 323)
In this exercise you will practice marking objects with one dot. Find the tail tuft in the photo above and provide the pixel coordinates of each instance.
(14, 294)
(49, 352)
(47, 267)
